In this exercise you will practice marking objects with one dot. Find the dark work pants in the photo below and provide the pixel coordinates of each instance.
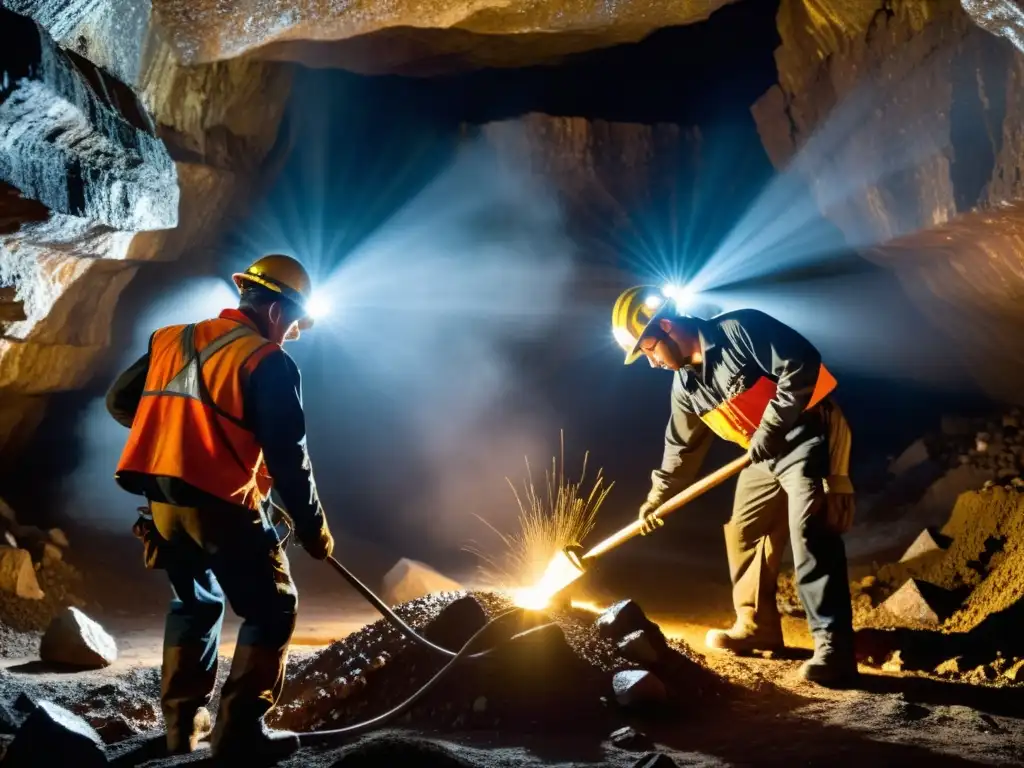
(212, 557)
(767, 508)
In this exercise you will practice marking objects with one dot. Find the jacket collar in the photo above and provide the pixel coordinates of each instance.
(239, 316)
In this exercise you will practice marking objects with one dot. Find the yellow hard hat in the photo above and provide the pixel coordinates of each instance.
(281, 274)
(634, 310)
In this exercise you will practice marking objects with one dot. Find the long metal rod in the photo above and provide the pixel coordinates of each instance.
(682, 498)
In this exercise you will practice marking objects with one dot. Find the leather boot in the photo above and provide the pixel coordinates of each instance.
(256, 745)
(252, 688)
(186, 685)
(834, 664)
(745, 637)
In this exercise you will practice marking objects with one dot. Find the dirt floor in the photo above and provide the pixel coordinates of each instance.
(753, 711)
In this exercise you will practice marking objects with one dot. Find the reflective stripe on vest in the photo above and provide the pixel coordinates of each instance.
(737, 419)
(189, 424)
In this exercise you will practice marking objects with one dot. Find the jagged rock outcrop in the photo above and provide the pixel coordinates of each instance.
(126, 164)
(902, 117)
(1000, 17)
(403, 37)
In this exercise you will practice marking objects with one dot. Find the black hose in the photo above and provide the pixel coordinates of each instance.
(356, 729)
(395, 620)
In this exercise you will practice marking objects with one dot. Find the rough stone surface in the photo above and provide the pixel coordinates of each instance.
(18, 575)
(1000, 17)
(400, 37)
(638, 688)
(91, 132)
(52, 730)
(902, 117)
(637, 646)
(410, 579)
(89, 165)
(925, 544)
(918, 602)
(75, 640)
(456, 623)
(621, 619)
(914, 454)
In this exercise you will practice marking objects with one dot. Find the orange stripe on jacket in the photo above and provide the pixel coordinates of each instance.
(737, 419)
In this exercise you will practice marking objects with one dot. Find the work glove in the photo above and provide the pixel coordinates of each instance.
(766, 445)
(321, 545)
(839, 503)
(649, 523)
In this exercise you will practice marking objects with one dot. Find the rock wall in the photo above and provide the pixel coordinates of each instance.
(902, 117)
(401, 37)
(129, 158)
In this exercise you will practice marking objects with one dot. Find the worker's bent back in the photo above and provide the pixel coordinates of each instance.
(189, 424)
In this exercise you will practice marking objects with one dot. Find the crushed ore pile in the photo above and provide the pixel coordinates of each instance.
(547, 677)
(953, 605)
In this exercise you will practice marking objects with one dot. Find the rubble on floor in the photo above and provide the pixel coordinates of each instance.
(559, 674)
(952, 603)
(36, 583)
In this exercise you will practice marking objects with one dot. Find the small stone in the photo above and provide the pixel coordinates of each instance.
(480, 704)
(868, 582)
(920, 602)
(638, 688)
(625, 737)
(894, 663)
(18, 574)
(927, 542)
(637, 647)
(949, 668)
(1015, 672)
(58, 537)
(621, 619)
(51, 554)
(76, 640)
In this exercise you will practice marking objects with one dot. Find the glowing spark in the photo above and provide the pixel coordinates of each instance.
(587, 605)
(549, 522)
(560, 573)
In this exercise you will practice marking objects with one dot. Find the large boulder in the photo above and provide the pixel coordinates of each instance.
(18, 574)
(456, 623)
(73, 639)
(410, 579)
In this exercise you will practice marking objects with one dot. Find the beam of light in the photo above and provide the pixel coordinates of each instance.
(318, 306)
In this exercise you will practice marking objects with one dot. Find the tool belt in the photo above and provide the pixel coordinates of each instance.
(153, 544)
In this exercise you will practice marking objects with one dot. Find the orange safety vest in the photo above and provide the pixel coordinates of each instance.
(189, 421)
(738, 418)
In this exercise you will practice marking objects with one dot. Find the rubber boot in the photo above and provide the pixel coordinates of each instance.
(745, 637)
(834, 664)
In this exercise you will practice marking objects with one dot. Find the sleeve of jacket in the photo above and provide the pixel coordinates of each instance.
(687, 440)
(125, 393)
(785, 355)
(273, 411)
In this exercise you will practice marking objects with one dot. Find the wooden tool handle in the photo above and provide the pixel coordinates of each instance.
(682, 498)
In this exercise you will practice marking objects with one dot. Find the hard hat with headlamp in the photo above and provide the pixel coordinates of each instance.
(635, 312)
(284, 275)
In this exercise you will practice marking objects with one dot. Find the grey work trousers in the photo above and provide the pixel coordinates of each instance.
(765, 509)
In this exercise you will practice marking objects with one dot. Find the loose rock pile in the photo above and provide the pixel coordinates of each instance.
(564, 669)
(953, 603)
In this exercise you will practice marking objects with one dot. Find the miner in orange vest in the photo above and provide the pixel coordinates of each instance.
(756, 382)
(215, 411)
